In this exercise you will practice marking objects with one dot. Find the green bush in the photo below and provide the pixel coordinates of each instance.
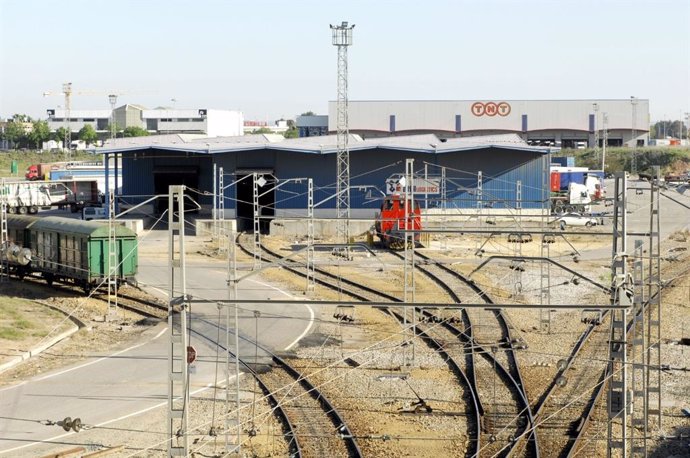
(619, 159)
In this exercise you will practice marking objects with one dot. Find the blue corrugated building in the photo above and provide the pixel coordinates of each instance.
(151, 164)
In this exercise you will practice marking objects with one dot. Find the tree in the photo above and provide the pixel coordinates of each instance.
(88, 134)
(263, 130)
(40, 133)
(21, 117)
(308, 113)
(292, 131)
(14, 132)
(59, 134)
(134, 131)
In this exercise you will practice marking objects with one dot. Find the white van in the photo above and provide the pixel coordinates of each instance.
(90, 213)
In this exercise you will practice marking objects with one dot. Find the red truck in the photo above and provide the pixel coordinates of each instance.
(37, 172)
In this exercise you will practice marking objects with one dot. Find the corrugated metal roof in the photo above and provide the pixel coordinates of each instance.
(328, 144)
(75, 226)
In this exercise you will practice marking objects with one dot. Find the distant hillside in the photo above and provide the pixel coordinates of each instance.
(670, 159)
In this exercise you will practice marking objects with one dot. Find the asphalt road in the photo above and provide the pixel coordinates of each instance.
(674, 215)
(109, 387)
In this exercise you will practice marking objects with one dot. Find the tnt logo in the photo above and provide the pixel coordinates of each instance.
(490, 109)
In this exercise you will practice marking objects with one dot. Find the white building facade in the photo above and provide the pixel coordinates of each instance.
(563, 123)
(213, 123)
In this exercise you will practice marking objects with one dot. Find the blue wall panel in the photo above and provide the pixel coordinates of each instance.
(500, 169)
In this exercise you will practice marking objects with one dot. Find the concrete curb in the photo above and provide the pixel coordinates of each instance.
(77, 324)
(28, 354)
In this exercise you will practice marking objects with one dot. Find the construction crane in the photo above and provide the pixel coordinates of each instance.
(68, 92)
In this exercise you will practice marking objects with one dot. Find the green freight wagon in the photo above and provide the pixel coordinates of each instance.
(69, 249)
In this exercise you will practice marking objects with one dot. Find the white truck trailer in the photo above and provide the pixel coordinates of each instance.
(28, 196)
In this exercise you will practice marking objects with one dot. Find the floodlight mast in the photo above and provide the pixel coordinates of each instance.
(342, 38)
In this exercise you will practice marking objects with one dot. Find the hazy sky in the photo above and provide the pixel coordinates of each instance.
(275, 58)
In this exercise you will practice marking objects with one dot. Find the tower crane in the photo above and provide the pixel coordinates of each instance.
(68, 92)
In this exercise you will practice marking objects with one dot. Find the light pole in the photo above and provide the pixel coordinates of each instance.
(112, 98)
(687, 127)
(633, 102)
(595, 106)
(605, 122)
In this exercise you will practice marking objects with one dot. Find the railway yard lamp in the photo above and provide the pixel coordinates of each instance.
(112, 98)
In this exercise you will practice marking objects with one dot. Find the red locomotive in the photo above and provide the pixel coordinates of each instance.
(390, 221)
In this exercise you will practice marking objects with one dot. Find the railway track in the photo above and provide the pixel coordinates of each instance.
(442, 337)
(564, 411)
(312, 426)
(144, 307)
(488, 337)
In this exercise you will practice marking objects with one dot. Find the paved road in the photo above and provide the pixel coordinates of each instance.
(110, 387)
(674, 216)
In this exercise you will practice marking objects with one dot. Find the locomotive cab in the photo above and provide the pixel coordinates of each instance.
(391, 223)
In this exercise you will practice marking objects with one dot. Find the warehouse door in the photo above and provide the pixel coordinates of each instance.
(166, 176)
(245, 201)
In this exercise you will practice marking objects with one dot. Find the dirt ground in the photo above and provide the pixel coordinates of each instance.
(374, 396)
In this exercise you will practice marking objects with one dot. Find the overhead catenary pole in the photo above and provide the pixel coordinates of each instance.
(622, 295)
(342, 38)
(178, 371)
(232, 423)
(113, 262)
(408, 228)
(4, 239)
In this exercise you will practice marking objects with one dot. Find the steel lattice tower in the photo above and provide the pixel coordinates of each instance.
(342, 38)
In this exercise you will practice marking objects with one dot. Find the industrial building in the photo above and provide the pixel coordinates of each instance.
(151, 164)
(158, 121)
(555, 123)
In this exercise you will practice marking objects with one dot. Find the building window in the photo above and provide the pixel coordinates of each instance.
(57, 120)
(197, 120)
(89, 120)
(166, 120)
(182, 119)
(151, 124)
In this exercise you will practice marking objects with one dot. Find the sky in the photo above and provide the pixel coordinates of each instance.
(274, 59)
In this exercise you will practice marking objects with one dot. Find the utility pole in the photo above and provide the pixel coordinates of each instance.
(342, 38)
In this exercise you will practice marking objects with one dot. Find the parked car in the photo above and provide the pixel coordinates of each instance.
(575, 219)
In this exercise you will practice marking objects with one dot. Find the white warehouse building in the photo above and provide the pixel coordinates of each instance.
(212, 123)
(563, 123)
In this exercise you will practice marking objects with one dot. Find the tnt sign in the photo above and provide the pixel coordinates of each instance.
(490, 109)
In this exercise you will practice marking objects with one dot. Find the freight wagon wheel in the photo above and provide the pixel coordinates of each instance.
(33, 209)
(49, 278)
(22, 210)
(12, 210)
